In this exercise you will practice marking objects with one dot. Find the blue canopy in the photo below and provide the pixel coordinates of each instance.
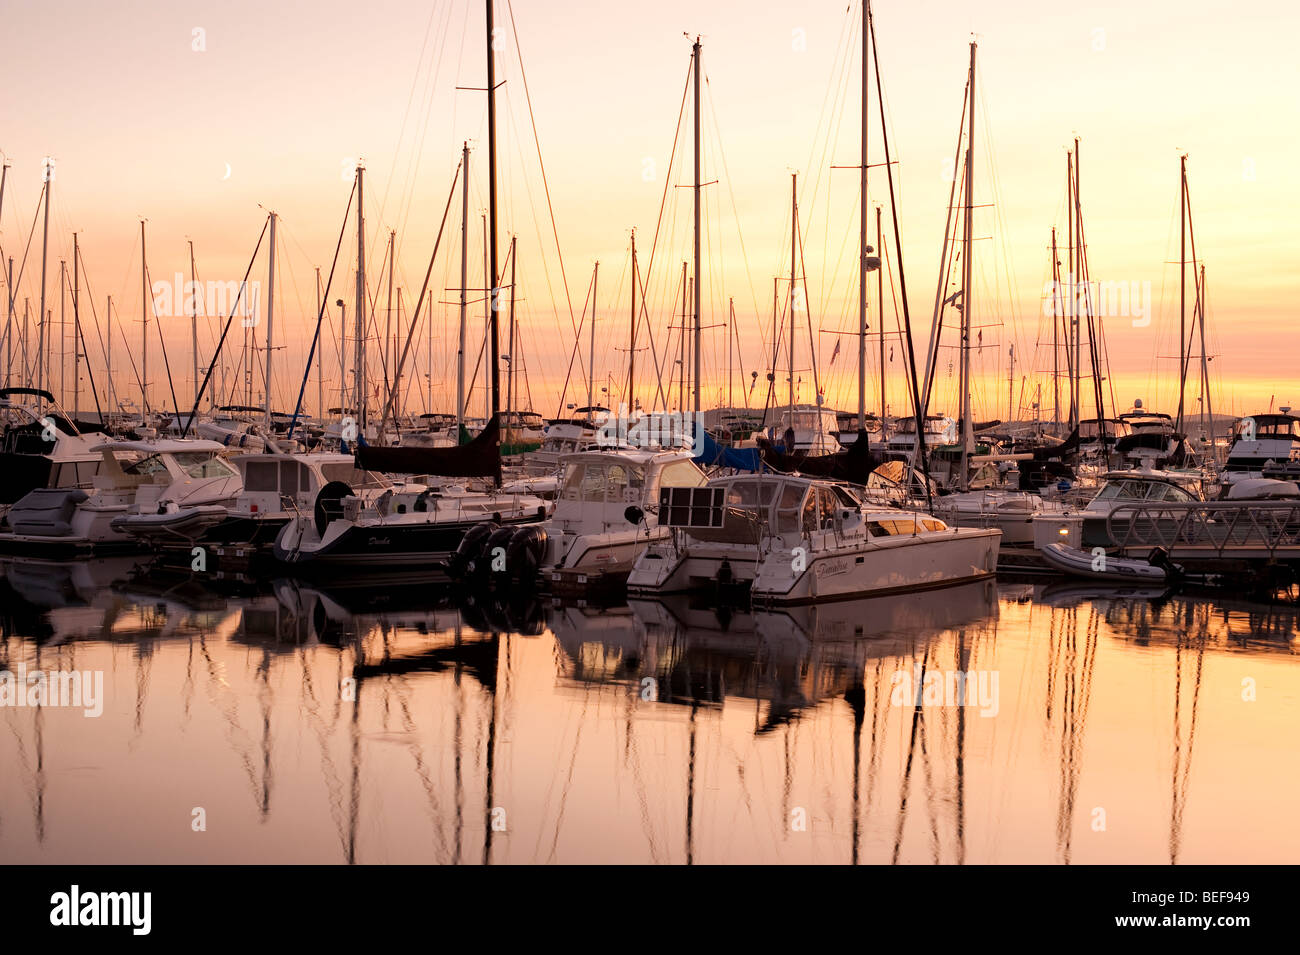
(742, 459)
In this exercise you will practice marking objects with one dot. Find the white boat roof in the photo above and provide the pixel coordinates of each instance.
(165, 446)
(632, 455)
(1142, 474)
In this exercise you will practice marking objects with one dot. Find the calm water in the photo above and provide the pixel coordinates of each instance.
(381, 723)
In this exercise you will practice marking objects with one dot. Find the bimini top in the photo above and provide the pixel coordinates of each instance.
(166, 446)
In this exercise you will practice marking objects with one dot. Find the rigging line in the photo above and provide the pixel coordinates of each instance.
(225, 331)
(23, 265)
(731, 192)
(577, 340)
(406, 112)
(320, 317)
(415, 319)
(663, 203)
(98, 330)
(523, 76)
(153, 307)
(902, 281)
(807, 305)
(947, 256)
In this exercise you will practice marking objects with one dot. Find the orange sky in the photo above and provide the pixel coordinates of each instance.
(142, 124)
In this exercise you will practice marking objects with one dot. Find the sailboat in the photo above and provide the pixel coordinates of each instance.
(990, 504)
(420, 522)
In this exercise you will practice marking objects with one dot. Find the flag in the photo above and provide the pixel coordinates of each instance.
(836, 352)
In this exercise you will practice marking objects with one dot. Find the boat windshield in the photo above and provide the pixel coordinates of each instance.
(203, 464)
(1142, 491)
(601, 482)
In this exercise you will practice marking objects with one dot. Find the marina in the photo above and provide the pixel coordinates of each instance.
(563, 435)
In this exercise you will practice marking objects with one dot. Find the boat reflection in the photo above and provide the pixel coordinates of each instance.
(361, 723)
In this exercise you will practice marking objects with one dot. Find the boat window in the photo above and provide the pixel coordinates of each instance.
(351, 476)
(1167, 492)
(1123, 491)
(682, 474)
(788, 508)
(620, 479)
(199, 464)
(260, 476)
(845, 497)
(293, 477)
(827, 514)
(751, 494)
(809, 514)
(153, 464)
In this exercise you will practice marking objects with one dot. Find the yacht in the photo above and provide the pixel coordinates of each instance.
(187, 482)
(1263, 441)
(791, 539)
(276, 488)
(603, 519)
(816, 431)
(410, 524)
(1088, 527)
(43, 449)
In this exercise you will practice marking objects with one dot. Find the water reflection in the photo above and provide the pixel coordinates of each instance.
(392, 722)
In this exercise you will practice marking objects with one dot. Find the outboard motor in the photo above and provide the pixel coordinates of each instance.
(524, 556)
(471, 547)
(480, 565)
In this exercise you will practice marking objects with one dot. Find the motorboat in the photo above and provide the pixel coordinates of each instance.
(792, 539)
(410, 524)
(185, 483)
(276, 488)
(604, 517)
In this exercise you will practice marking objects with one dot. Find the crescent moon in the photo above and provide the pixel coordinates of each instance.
(227, 175)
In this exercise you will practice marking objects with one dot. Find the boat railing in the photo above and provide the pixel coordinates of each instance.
(1221, 528)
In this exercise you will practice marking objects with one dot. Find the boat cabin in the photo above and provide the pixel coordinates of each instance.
(599, 486)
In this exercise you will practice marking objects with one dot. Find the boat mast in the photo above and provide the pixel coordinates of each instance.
(631, 345)
(388, 313)
(681, 347)
(1207, 406)
(1071, 339)
(698, 279)
(494, 355)
(9, 324)
(511, 356)
(880, 298)
(862, 239)
(270, 314)
(77, 325)
(1182, 286)
(1056, 347)
(108, 354)
(144, 327)
(359, 360)
(320, 360)
(591, 349)
(794, 235)
(967, 425)
(487, 318)
(194, 324)
(63, 337)
(45, 242)
(731, 328)
(464, 281)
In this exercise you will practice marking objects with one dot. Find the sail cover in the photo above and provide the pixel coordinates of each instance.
(480, 458)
